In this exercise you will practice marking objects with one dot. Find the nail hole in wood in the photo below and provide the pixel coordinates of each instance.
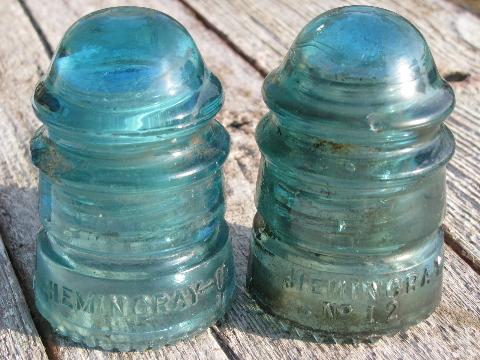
(456, 76)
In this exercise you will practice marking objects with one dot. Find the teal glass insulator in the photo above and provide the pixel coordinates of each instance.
(134, 251)
(350, 196)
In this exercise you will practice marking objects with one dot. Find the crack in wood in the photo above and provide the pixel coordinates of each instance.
(223, 343)
(38, 29)
(209, 25)
(456, 76)
(457, 249)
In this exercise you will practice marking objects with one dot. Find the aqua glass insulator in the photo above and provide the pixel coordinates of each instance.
(351, 188)
(134, 250)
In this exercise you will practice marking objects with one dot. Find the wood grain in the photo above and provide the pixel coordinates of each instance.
(247, 333)
(18, 336)
(472, 5)
(263, 34)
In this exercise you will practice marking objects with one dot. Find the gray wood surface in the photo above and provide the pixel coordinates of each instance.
(18, 336)
(451, 332)
(263, 33)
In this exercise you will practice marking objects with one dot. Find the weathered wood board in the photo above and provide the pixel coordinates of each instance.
(246, 334)
(18, 335)
(263, 33)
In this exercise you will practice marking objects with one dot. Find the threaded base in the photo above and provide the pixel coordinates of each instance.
(132, 313)
(342, 303)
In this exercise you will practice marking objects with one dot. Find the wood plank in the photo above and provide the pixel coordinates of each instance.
(18, 336)
(248, 333)
(263, 33)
